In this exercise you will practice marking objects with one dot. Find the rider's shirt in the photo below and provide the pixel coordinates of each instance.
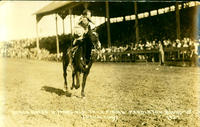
(83, 26)
(84, 22)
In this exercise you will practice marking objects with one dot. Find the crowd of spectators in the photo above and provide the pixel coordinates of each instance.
(175, 50)
(26, 49)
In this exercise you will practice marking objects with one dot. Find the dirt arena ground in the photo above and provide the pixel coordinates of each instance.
(117, 95)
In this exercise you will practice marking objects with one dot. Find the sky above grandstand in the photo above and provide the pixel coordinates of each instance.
(17, 19)
(18, 22)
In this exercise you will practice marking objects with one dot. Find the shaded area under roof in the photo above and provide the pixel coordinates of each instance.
(117, 9)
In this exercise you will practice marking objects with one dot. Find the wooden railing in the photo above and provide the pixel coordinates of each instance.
(175, 54)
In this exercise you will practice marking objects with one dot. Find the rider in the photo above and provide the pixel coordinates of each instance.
(85, 24)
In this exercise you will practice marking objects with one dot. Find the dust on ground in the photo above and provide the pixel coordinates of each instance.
(117, 94)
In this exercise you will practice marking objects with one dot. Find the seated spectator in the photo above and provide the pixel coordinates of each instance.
(165, 43)
(178, 42)
(174, 44)
(132, 46)
(154, 44)
(148, 45)
(169, 43)
(136, 47)
(185, 44)
(141, 46)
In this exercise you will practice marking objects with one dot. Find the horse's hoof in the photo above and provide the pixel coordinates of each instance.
(72, 88)
(82, 94)
(65, 88)
(77, 86)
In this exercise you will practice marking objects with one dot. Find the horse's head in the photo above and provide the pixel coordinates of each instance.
(95, 40)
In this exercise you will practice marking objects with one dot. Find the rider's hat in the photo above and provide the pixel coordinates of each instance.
(86, 11)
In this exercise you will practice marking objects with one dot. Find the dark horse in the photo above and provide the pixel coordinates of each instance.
(82, 60)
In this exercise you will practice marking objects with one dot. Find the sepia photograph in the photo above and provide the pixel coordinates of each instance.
(100, 63)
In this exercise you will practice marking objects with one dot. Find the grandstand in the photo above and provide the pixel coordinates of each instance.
(132, 33)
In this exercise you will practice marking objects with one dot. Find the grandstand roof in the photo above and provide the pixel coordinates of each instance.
(117, 9)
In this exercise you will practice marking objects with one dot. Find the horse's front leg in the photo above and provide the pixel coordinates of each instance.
(77, 80)
(83, 84)
(73, 75)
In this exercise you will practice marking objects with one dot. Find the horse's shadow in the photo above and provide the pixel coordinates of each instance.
(57, 91)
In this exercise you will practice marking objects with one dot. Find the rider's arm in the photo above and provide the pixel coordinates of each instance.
(80, 20)
(90, 20)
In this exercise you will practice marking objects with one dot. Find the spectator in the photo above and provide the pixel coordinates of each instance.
(174, 44)
(178, 42)
(161, 53)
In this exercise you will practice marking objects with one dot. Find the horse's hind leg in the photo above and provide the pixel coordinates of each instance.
(83, 84)
(65, 64)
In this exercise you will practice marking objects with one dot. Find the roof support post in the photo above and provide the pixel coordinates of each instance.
(63, 22)
(108, 24)
(178, 31)
(70, 18)
(136, 22)
(37, 39)
(57, 40)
